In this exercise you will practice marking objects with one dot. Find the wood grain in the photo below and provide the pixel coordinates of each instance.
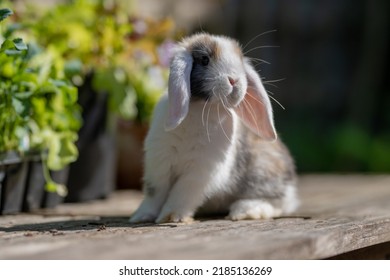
(338, 214)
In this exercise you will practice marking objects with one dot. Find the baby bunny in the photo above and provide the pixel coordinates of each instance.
(212, 146)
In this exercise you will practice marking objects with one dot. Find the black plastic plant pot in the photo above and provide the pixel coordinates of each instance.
(52, 199)
(35, 186)
(22, 184)
(92, 175)
(13, 175)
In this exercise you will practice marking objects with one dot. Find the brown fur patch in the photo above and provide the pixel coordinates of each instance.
(237, 49)
(206, 43)
(203, 44)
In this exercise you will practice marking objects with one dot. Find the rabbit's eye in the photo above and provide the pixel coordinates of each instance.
(204, 60)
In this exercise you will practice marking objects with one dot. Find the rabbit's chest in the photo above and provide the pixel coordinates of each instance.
(200, 151)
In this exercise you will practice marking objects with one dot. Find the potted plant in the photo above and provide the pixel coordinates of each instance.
(119, 63)
(39, 120)
(147, 71)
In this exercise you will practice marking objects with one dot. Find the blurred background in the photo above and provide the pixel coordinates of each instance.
(331, 67)
(326, 62)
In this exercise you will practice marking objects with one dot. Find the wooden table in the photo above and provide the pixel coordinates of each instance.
(340, 216)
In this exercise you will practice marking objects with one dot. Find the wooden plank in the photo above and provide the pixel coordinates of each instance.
(338, 214)
(375, 252)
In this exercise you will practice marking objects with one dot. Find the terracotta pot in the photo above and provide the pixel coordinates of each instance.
(130, 139)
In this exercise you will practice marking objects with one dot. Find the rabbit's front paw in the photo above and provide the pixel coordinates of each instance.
(252, 209)
(142, 217)
(174, 218)
(144, 214)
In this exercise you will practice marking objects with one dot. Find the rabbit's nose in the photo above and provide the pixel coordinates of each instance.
(232, 81)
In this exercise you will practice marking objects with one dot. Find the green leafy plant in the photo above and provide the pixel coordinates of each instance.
(38, 106)
(124, 53)
(4, 13)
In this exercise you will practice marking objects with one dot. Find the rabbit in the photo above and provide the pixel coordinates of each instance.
(212, 146)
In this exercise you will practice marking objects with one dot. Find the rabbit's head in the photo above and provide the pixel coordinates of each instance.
(214, 69)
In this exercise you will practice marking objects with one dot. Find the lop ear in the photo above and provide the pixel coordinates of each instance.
(255, 110)
(179, 89)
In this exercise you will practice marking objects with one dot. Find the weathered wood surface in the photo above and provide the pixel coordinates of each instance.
(338, 214)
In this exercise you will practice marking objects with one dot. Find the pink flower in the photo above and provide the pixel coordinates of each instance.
(165, 52)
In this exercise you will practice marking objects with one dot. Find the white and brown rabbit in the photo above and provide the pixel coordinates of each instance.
(212, 145)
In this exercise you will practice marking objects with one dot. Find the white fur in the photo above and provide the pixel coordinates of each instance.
(180, 89)
(190, 149)
(290, 202)
(249, 209)
(253, 209)
(187, 157)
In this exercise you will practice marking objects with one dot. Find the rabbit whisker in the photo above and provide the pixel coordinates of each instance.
(255, 99)
(204, 107)
(259, 60)
(251, 111)
(269, 84)
(224, 106)
(228, 104)
(207, 123)
(259, 47)
(257, 64)
(220, 124)
(269, 93)
(274, 81)
(277, 102)
(257, 36)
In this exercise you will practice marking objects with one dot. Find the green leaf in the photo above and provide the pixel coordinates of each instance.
(14, 47)
(62, 150)
(12, 52)
(68, 152)
(4, 13)
(7, 44)
(23, 95)
(122, 97)
(21, 106)
(19, 44)
(18, 105)
(11, 28)
(8, 69)
(51, 187)
(54, 187)
(73, 67)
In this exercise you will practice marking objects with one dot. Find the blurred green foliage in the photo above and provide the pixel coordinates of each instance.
(38, 105)
(101, 37)
(346, 147)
